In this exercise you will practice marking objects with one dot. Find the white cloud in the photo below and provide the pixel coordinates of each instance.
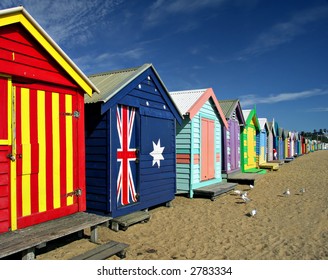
(109, 60)
(65, 21)
(320, 109)
(251, 99)
(284, 32)
(161, 9)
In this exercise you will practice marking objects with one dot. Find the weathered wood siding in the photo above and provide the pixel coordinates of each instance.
(97, 164)
(184, 156)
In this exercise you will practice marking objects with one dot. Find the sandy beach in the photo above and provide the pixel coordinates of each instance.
(293, 227)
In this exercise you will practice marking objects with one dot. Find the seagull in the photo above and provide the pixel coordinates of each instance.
(302, 190)
(287, 192)
(244, 194)
(245, 198)
(253, 213)
(251, 186)
(237, 192)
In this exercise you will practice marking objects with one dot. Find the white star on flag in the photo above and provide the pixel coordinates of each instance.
(157, 153)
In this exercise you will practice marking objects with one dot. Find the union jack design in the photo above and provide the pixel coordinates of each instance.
(126, 192)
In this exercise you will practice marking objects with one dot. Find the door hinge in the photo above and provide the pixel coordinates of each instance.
(75, 114)
(77, 192)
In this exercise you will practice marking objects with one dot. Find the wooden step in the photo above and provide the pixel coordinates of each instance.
(212, 191)
(123, 222)
(104, 251)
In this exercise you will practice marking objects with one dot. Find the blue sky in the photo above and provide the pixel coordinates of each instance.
(268, 53)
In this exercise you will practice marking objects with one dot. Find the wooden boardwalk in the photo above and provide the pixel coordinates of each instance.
(28, 239)
(212, 191)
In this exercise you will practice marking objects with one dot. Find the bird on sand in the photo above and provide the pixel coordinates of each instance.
(251, 186)
(237, 192)
(287, 192)
(302, 190)
(245, 198)
(253, 213)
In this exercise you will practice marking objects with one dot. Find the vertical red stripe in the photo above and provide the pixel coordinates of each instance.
(49, 172)
(62, 139)
(79, 150)
(34, 152)
(3, 108)
(19, 166)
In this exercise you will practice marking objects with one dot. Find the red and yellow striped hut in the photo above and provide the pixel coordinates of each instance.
(42, 154)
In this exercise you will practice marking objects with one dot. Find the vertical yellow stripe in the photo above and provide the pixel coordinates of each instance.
(56, 149)
(9, 110)
(13, 191)
(26, 152)
(42, 150)
(69, 148)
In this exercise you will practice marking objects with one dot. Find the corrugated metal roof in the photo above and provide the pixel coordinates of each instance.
(110, 83)
(185, 99)
(228, 106)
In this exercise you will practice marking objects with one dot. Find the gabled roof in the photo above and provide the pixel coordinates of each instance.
(263, 123)
(281, 132)
(112, 82)
(20, 15)
(190, 102)
(250, 114)
(229, 106)
(272, 128)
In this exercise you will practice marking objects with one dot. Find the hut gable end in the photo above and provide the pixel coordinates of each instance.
(22, 56)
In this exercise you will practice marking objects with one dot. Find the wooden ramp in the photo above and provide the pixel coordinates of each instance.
(212, 191)
(123, 222)
(270, 166)
(104, 251)
(28, 239)
(243, 178)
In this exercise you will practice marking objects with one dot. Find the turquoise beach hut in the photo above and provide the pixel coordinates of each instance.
(198, 140)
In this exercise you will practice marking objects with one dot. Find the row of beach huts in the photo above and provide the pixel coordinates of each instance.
(114, 143)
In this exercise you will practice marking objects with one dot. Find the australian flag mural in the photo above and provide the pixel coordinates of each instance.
(126, 155)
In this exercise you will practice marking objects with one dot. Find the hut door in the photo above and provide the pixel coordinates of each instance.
(207, 149)
(127, 155)
(46, 143)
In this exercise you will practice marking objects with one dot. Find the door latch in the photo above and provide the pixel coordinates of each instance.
(11, 157)
(77, 192)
